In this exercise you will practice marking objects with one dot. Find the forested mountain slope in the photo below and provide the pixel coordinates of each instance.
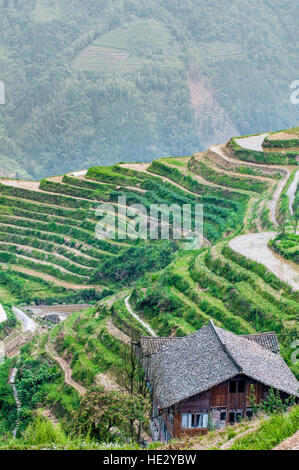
(98, 82)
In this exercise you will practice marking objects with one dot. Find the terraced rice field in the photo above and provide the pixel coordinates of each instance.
(129, 48)
(48, 228)
(50, 253)
(48, 240)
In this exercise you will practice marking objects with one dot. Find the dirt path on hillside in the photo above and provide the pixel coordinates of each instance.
(47, 413)
(255, 247)
(291, 443)
(66, 369)
(77, 174)
(118, 334)
(291, 192)
(231, 162)
(29, 249)
(82, 176)
(14, 342)
(66, 240)
(209, 161)
(219, 150)
(34, 186)
(144, 324)
(12, 379)
(108, 382)
(48, 278)
(255, 143)
(2, 352)
(31, 185)
(143, 168)
(109, 301)
(46, 263)
(227, 445)
(219, 439)
(274, 201)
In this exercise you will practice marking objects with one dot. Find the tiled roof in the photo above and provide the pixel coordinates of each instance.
(151, 345)
(259, 363)
(266, 340)
(209, 357)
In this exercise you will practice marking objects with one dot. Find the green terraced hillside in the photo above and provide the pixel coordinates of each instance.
(50, 255)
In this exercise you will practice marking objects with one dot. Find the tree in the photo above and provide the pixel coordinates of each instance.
(131, 376)
(100, 411)
(273, 403)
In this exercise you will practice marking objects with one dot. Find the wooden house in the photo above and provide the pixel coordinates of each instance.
(204, 380)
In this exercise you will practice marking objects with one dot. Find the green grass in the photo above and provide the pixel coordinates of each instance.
(42, 434)
(287, 246)
(285, 143)
(6, 295)
(271, 158)
(224, 179)
(8, 412)
(271, 432)
(86, 341)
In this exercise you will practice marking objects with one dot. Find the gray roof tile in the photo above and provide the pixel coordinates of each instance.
(266, 340)
(183, 367)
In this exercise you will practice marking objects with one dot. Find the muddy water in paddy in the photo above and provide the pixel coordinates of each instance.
(62, 311)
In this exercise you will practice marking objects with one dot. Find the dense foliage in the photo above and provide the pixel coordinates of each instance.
(271, 432)
(8, 411)
(102, 411)
(287, 245)
(129, 97)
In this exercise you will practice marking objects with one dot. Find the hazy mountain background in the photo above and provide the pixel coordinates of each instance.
(100, 81)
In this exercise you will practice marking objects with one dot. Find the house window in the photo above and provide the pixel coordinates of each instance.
(235, 416)
(223, 416)
(195, 421)
(237, 386)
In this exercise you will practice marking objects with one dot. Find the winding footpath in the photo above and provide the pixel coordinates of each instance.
(292, 191)
(144, 324)
(219, 151)
(291, 443)
(3, 318)
(12, 380)
(274, 201)
(2, 352)
(255, 245)
(66, 369)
